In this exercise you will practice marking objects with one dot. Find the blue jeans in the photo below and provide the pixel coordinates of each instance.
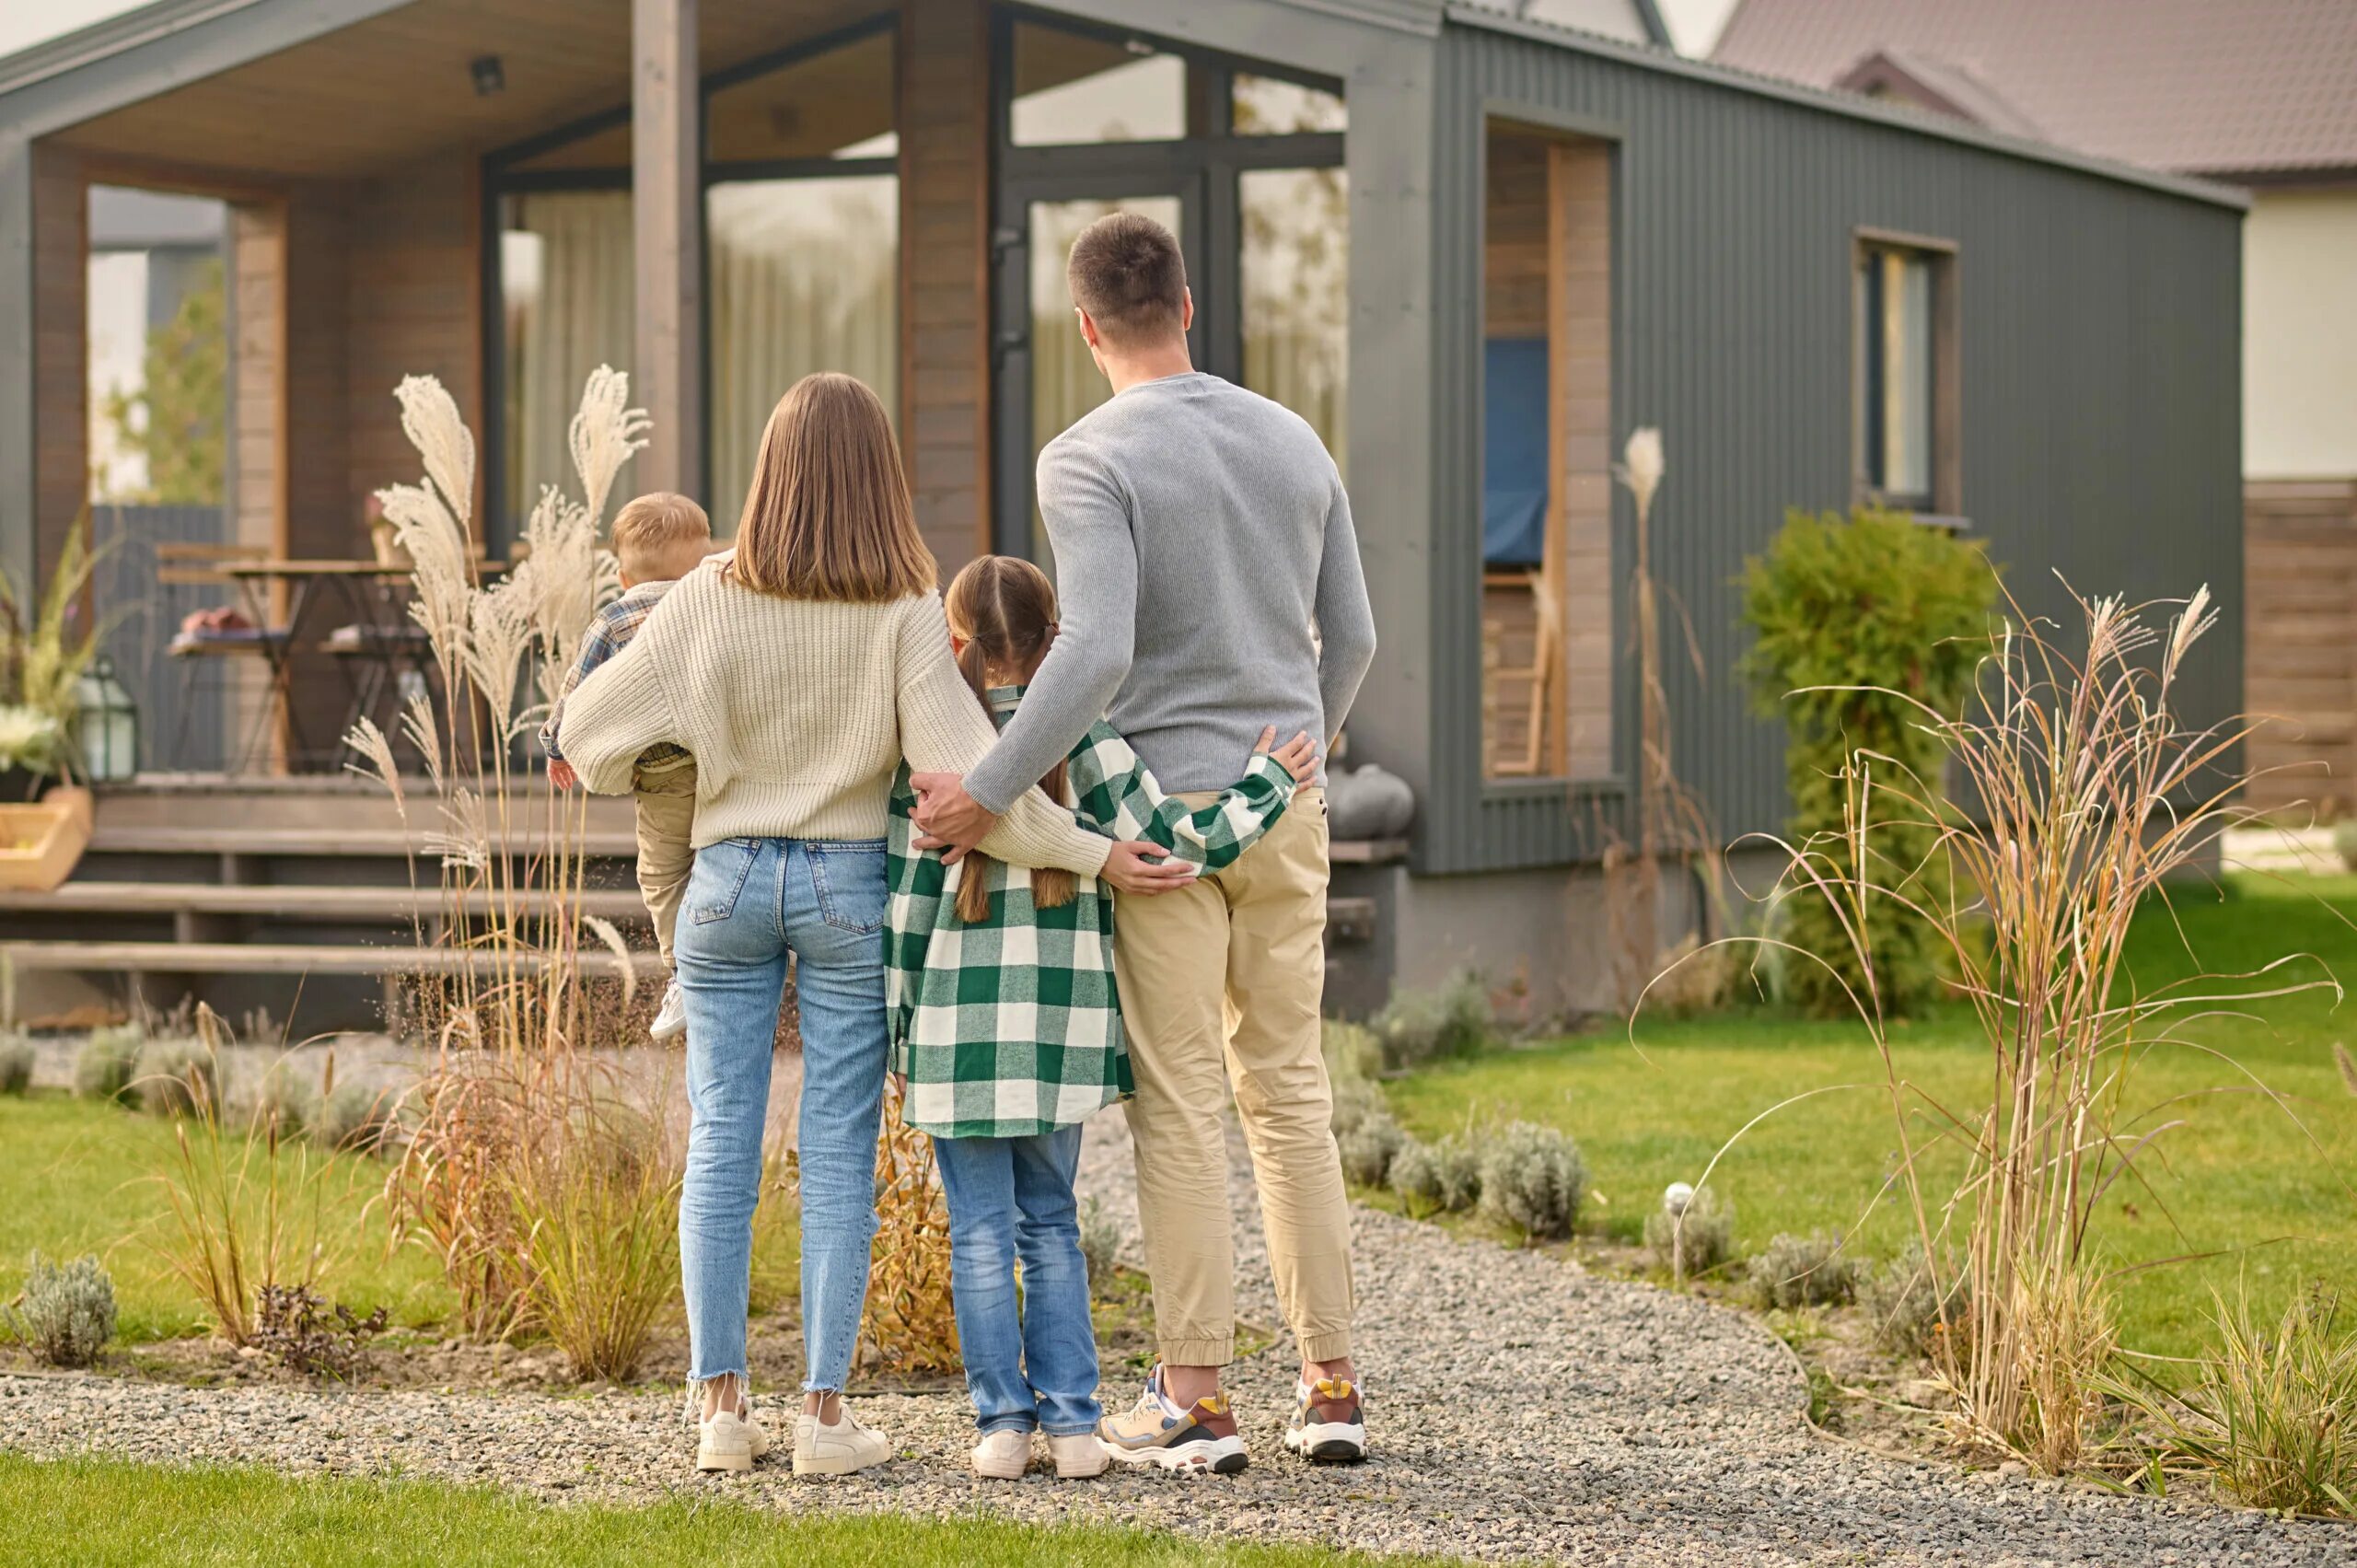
(1033, 1364)
(751, 902)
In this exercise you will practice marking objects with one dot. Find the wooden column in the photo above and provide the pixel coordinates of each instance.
(945, 272)
(666, 378)
(60, 375)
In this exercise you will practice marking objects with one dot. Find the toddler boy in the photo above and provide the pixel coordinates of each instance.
(659, 538)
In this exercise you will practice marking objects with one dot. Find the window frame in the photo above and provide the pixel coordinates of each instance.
(501, 177)
(1943, 504)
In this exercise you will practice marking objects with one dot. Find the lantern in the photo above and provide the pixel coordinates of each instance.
(107, 731)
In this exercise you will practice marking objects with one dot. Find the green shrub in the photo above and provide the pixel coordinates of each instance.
(1703, 1243)
(108, 1061)
(1443, 1177)
(1369, 1146)
(1854, 620)
(1356, 1099)
(1100, 1242)
(287, 1098)
(67, 1313)
(1419, 1026)
(359, 1117)
(15, 1065)
(1534, 1179)
(1804, 1270)
(1904, 1302)
(178, 1077)
(1351, 1051)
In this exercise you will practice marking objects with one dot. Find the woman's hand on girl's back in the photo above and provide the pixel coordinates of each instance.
(1297, 756)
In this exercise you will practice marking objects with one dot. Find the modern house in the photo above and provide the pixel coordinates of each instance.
(1473, 247)
(2263, 96)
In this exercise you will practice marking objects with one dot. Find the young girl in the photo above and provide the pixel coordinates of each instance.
(1007, 1029)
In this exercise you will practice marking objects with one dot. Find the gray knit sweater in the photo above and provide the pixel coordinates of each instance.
(1209, 586)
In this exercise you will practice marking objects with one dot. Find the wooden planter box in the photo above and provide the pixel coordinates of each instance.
(41, 843)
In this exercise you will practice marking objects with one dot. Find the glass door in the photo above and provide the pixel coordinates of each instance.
(1065, 382)
(1244, 167)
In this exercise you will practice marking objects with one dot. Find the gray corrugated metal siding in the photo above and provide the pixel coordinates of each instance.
(2100, 333)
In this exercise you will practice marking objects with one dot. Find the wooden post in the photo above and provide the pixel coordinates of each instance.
(666, 142)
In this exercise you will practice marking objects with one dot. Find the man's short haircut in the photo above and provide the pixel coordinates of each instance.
(652, 533)
(1126, 272)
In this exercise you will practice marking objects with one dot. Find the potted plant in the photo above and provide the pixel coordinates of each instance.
(42, 662)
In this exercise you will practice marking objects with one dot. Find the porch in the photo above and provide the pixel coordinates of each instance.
(505, 196)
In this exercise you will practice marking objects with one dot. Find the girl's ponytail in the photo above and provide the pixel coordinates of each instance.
(1003, 611)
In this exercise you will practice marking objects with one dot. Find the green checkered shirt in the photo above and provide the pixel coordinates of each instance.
(1012, 1027)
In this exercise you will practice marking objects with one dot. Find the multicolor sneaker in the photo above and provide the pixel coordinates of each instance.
(1158, 1432)
(1328, 1425)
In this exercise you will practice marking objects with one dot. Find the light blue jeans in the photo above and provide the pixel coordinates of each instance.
(751, 903)
(1030, 1364)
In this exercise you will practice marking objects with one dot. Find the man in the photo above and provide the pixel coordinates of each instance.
(1209, 586)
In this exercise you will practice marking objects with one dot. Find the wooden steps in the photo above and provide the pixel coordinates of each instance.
(284, 901)
(289, 958)
(258, 842)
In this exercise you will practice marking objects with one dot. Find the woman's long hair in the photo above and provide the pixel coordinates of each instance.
(828, 516)
(1003, 612)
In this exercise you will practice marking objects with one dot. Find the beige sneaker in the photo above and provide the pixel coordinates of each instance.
(726, 1441)
(839, 1449)
(1002, 1455)
(1079, 1454)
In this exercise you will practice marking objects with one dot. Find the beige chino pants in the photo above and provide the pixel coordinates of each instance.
(1222, 984)
(666, 846)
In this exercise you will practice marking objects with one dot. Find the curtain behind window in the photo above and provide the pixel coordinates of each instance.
(804, 276)
(568, 276)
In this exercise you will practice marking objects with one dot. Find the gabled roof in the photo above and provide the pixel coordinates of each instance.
(1934, 84)
(2202, 87)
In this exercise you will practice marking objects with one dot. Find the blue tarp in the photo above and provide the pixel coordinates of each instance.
(1513, 458)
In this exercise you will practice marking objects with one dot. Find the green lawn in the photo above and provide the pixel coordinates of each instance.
(103, 1512)
(2241, 1173)
(78, 1176)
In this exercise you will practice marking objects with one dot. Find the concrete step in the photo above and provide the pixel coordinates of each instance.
(283, 959)
(283, 902)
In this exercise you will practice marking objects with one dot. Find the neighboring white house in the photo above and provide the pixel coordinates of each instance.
(2263, 95)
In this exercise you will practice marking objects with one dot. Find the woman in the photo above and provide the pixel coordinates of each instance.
(800, 670)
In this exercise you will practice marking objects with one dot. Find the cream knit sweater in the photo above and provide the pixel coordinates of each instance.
(799, 713)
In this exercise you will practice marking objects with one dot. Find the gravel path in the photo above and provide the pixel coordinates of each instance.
(1522, 1410)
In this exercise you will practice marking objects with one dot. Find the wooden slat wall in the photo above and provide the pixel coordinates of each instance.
(2300, 642)
(1582, 379)
(1531, 275)
(258, 395)
(945, 298)
(61, 347)
(414, 305)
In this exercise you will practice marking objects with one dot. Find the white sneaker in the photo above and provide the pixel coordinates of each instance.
(726, 1441)
(1079, 1454)
(819, 1449)
(671, 1018)
(1002, 1455)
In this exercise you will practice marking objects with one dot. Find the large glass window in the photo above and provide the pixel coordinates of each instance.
(804, 276)
(1895, 373)
(801, 261)
(1296, 280)
(1065, 382)
(836, 104)
(1073, 86)
(567, 285)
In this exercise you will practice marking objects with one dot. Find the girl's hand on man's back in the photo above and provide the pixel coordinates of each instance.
(1297, 756)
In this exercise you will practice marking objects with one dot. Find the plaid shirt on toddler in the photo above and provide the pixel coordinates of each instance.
(610, 633)
(1011, 1027)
